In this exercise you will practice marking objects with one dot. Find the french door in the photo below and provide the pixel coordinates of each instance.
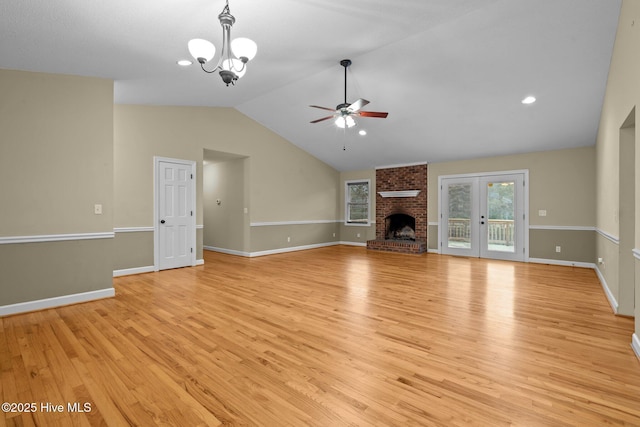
(483, 216)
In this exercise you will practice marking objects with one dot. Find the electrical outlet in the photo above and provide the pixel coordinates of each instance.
(558, 249)
(358, 235)
(334, 234)
(97, 209)
(288, 239)
(542, 212)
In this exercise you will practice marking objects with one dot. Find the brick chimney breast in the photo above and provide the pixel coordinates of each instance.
(401, 179)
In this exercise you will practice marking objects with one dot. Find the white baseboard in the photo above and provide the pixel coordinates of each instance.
(291, 249)
(24, 307)
(562, 262)
(635, 345)
(362, 244)
(605, 287)
(226, 251)
(137, 270)
(433, 251)
(141, 270)
(280, 250)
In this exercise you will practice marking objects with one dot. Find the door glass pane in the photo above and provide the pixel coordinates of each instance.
(501, 211)
(459, 216)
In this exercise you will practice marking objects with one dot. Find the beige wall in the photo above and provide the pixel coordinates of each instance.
(56, 163)
(281, 237)
(577, 246)
(562, 182)
(622, 96)
(357, 233)
(282, 183)
(56, 153)
(40, 271)
(133, 250)
(608, 269)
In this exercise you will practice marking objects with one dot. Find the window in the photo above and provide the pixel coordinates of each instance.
(357, 202)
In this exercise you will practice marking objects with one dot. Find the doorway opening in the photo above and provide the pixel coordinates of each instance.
(225, 202)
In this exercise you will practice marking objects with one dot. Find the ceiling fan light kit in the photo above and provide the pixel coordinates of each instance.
(344, 112)
(345, 122)
(234, 55)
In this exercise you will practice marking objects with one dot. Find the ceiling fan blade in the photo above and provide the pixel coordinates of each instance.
(373, 114)
(322, 108)
(357, 105)
(322, 119)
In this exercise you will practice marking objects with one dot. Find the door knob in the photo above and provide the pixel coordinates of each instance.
(162, 221)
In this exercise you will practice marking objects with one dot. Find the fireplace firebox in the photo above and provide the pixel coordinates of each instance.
(400, 227)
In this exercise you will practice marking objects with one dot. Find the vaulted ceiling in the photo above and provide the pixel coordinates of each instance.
(451, 73)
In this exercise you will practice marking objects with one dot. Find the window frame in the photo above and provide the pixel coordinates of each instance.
(347, 202)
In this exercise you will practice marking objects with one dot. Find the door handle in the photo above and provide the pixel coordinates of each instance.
(162, 221)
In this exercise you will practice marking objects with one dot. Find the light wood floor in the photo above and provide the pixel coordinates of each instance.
(331, 337)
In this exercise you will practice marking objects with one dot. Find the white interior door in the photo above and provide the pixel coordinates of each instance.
(483, 216)
(175, 220)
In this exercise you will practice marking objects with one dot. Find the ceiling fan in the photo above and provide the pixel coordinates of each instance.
(344, 112)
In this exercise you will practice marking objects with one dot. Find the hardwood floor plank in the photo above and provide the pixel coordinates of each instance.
(331, 337)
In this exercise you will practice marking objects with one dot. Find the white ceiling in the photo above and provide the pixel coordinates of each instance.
(451, 73)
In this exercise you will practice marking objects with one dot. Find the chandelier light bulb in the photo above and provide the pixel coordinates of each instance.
(201, 49)
(243, 47)
(235, 65)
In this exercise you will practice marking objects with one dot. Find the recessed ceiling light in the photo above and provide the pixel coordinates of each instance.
(362, 132)
(184, 62)
(529, 100)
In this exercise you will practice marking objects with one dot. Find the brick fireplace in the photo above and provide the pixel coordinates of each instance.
(401, 210)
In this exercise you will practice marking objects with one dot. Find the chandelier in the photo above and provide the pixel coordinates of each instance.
(234, 56)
